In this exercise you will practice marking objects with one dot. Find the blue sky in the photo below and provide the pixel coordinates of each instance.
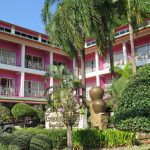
(25, 13)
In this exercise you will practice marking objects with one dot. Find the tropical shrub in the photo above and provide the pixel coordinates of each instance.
(58, 137)
(21, 141)
(5, 113)
(40, 142)
(83, 138)
(40, 114)
(115, 91)
(93, 138)
(134, 105)
(21, 110)
(5, 140)
(87, 139)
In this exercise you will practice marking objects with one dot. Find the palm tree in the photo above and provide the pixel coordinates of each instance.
(69, 28)
(103, 25)
(134, 11)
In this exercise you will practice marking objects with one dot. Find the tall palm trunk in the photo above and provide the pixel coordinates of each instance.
(111, 57)
(132, 48)
(83, 72)
(131, 37)
(69, 136)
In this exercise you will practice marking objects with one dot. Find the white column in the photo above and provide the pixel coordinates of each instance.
(12, 30)
(97, 68)
(21, 93)
(39, 38)
(124, 49)
(51, 63)
(75, 71)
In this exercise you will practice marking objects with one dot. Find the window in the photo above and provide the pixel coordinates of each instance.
(34, 62)
(118, 60)
(7, 57)
(143, 53)
(90, 66)
(34, 89)
(118, 33)
(7, 87)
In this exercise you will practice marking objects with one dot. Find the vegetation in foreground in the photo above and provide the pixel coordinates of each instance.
(39, 139)
(133, 111)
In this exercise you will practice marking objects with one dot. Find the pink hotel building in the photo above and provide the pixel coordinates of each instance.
(25, 55)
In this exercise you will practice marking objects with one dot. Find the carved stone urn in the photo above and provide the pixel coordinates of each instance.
(96, 92)
(99, 106)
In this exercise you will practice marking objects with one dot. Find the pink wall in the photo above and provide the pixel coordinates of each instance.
(90, 56)
(91, 81)
(45, 55)
(36, 78)
(2, 24)
(63, 59)
(103, 80)
(142, 40)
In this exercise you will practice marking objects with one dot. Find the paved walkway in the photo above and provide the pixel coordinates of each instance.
(141, 147)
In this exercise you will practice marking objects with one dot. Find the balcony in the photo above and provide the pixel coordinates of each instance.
(35, 94)
(7, 91)
(35, 65)
(142, 59)
(10, 61)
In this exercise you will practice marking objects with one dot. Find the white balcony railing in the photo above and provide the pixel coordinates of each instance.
(8, 91)
(35, 94)
(10, 61)
(143, 57)
(35, 65)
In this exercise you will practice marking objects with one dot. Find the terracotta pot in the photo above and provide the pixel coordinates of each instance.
(96, 93)
(99, 106)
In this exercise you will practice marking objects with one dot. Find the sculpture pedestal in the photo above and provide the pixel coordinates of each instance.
(83, 120)
(99, 120)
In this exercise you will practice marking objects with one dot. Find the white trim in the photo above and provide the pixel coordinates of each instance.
(51, 63)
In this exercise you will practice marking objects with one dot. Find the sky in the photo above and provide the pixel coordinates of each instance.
(24, 13)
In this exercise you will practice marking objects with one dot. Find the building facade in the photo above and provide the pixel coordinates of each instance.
(26, 54)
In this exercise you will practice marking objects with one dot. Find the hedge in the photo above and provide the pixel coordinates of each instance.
(87, 138)
(41, 142)
(133, 111)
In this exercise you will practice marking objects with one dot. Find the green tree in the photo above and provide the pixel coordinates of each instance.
(63, 99)
(118, 84)
(135, 13)
(69, 27)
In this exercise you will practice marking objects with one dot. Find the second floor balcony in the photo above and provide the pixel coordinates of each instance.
(8, 91)
(34, 94)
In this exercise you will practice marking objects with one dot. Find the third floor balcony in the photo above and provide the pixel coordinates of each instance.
(9, 58)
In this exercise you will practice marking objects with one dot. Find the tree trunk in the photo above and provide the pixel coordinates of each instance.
(132, 48)
(131, 37)
(111, 56)
(69, 136)
(83, 73)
